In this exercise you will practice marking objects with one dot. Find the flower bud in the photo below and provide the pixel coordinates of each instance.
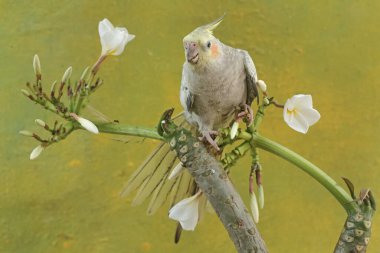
(37, 66)
(26, 133)
(67, 74)
(175, 172)
(234, 130)
(40, 122)
(36, 152)
(254, 207)
(85, 123)
(262, 85)
(53, 85)
(84, 74)
(260, 192)
(25, 92)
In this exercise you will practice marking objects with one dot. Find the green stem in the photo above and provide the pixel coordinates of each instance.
(338, 192)
(260, 142)
(129, 130)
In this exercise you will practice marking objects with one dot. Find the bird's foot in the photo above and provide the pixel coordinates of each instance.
(245, 114)
(207, 135)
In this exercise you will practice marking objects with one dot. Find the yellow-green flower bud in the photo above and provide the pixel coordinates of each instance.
(40, 122)
(67, 74)
(260, 192)
(37, 66)
(25, 92)
(26, 133)
(84, 74)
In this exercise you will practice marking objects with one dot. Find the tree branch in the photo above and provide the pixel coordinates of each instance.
(215, 184)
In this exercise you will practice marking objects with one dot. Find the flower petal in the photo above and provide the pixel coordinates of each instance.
(105, 26)
(288, 108)
(112, 41)
(189, 224)
(36, 152)
(310, 115)
(298, 123)
(186, 212)
(184, 209)
(301, 100)
(130, 37)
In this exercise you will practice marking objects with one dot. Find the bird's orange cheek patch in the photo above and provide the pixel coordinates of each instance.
(214, 50)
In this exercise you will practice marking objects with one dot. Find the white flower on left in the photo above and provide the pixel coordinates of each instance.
(85, 123)
(299, 113)
(113, 39)
(186, 212)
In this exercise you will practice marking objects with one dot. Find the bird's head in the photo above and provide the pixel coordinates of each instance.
(201, 46)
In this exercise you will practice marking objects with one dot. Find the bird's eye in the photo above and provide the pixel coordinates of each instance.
(208, 44)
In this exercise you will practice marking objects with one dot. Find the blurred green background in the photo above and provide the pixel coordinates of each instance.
(68, 199)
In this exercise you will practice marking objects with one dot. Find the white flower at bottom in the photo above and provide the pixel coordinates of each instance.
(299, 113)
(186, 212)
(36, 152)
(85, 123)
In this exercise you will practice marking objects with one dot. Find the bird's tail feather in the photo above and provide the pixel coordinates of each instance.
(151, 178)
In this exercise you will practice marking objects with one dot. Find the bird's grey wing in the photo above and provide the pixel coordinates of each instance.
(186, 97)
(251, 78)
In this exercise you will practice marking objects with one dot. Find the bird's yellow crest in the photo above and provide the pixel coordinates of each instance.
(205, 31)
(211, 26)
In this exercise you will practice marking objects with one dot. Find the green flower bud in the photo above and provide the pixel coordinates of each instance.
(26, 133)
(67, 74)
(40, 122)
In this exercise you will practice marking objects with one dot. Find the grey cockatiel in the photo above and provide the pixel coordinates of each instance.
(217, 81)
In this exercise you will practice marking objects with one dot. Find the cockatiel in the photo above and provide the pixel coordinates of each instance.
(217, 81)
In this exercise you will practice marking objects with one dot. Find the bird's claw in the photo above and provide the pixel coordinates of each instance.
(206, 135)
(246, 114)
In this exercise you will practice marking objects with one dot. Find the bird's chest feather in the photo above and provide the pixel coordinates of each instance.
(219, 89)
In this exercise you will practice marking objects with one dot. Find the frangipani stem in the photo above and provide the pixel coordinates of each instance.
(338, 192)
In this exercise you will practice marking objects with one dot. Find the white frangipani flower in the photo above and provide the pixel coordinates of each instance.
(85, 123)
(175, 172)
(36, 152)
(299, 113)
(113, 39)
(186, 212)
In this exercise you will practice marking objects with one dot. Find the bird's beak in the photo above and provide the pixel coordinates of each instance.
(192, 54)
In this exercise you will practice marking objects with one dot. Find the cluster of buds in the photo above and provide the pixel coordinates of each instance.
(57, 132)
(254, 204)
(113, 41)
(53, 101)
